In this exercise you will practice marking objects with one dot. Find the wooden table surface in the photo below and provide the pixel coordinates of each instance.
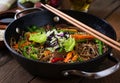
(12, 72)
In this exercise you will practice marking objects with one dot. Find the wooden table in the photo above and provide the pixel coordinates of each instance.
(12, 72)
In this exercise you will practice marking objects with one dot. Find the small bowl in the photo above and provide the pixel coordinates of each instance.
(25, 5)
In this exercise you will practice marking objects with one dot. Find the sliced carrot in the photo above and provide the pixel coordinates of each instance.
(75, 57)
(25, 44)
(80, 36)
(68, 57)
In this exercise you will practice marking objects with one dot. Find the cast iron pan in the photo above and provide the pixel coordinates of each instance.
(86, 69)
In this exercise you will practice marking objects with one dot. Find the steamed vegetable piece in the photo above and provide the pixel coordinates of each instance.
(69, 44)
(38, 38)
(56, 44)
(37, 35)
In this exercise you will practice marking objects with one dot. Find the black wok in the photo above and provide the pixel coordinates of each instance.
(50, 70)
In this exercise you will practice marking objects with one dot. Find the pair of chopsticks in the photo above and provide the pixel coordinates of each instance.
(114, 44)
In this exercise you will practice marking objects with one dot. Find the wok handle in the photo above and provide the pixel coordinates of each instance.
(26, 11)
(95, 75)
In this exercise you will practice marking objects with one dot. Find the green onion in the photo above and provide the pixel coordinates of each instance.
(100, 46)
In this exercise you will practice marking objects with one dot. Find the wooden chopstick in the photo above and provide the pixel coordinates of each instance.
(84, 27)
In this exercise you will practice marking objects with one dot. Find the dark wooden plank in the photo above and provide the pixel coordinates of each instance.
(102, 8)
(4, 58)
(43, 80)
(12, 72)
(114, 78)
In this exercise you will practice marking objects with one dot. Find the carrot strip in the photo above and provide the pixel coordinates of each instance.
(75, 57)
(79, 36)
(68, 57)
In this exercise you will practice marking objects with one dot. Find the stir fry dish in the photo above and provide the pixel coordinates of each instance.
(58, 44)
